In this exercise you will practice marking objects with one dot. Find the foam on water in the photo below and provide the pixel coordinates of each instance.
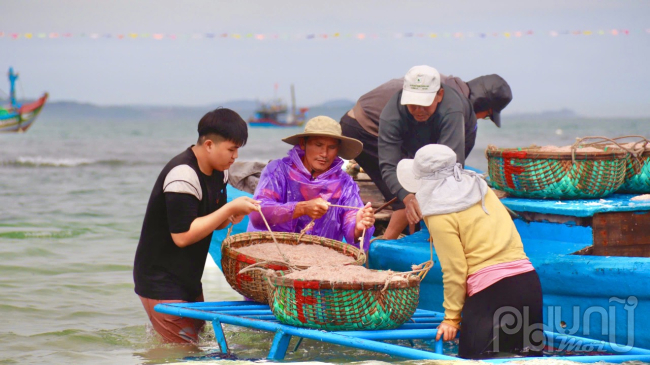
(49, 161)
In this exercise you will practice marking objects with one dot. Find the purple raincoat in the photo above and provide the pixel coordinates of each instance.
(286, 181)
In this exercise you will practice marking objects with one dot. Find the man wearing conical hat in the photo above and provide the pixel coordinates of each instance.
(304, 185)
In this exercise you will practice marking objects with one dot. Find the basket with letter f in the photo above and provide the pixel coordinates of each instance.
(251, 283)
(534, 173)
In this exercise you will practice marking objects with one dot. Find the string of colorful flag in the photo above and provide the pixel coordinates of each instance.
(315, 36)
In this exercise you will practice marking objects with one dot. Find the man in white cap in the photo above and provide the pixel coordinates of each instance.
(300, 188)
(488, 94)
(425, 111)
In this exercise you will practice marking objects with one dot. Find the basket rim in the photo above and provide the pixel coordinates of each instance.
(227, 249)
(534, 153)
(281, 281)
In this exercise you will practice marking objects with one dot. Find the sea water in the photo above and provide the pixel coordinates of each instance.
(73, 192)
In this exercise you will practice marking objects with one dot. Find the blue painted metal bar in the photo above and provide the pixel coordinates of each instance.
(615, 359)
(185, 310)
(556, 338)
(237, 303)
(416, 334)
(425, 320)
(270, 318)
(438, 348)
(280, 345)
(369, 340)
(220, 336)
(246, 313)
(414, 326)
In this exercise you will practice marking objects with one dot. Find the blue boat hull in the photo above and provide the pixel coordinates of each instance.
(599, 297)
(604, 298)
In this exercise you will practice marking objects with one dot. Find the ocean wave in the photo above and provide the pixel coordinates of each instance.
(37, 161)
(40, 161)
(42, 234)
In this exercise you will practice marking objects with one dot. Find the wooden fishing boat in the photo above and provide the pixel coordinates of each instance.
(19, 117)
(591, 257)
(276, 114)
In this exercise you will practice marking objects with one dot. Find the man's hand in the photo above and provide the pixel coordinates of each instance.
(243, 206)
(314, 208)
(446, 331)
(413, 213)
(365, 218)
(234, 219)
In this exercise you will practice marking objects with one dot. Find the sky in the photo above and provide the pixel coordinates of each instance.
(589, 56)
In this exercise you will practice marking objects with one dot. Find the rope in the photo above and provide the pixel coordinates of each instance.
(420, 270)
(345, 206)
(265, 272)
(230, 229)
(361, 251)
(363, 233)
(259, 209)
(634, 151)
(308, 227)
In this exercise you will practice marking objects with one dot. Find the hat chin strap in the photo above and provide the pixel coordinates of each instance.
(457, 171)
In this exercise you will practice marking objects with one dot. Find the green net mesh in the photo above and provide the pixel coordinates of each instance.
(309, 304)
(561, 175)
(637, 175)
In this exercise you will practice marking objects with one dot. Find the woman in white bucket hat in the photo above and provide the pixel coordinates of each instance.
(486, 275)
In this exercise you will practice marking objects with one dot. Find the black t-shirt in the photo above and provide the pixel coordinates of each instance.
(182, 193)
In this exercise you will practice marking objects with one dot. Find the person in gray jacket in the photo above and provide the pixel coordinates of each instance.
(423, 112)
(488, 95)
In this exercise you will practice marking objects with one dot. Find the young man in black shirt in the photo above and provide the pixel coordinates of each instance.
(187, 203)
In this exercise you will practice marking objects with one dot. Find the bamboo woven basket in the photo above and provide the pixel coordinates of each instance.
(637, 161)
(344, 306)
(637, 173)
(531, 173)
(252, 284)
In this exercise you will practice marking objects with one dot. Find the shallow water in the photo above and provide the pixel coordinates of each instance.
(73, 192)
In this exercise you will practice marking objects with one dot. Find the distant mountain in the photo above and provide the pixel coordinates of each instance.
(246, 108)
(550, 114)
(239, 104)
(143, 110)
(333, 108)
(336, 103)
(71, 109)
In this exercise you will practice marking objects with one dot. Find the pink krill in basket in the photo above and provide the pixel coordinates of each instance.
(568, 149)
(345, 274)
(632, 146)
(300, 255)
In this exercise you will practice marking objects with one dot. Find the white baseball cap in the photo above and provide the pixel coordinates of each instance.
(421, 84)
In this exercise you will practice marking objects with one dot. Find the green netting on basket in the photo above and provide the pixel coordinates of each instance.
(637, 165)
(344, 306)
(531, 173)
(637, 177)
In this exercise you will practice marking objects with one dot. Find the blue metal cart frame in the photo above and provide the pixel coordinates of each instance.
(422, 325)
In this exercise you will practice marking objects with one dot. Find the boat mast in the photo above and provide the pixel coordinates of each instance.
(12, 90)
(293, 102)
